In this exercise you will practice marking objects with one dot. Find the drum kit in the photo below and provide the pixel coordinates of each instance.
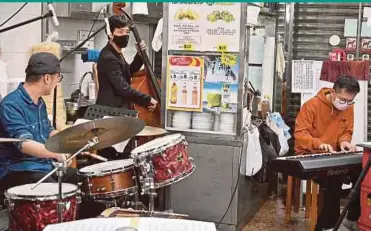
(153, 165)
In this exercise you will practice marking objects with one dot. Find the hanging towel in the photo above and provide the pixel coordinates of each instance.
(280, 61)
(157, 37)
(331, 70)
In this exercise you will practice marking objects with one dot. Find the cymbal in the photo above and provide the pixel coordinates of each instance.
(151, 131)
(10, 140)
(109, 131)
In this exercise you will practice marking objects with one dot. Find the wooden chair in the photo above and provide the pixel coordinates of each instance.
(313, 200)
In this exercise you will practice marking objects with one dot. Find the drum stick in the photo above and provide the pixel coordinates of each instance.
(97, 157)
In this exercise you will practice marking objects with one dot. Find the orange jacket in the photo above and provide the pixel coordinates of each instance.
(320, 122)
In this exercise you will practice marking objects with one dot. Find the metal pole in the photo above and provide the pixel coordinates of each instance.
(359, 30)
(289, 30)
(47, 15)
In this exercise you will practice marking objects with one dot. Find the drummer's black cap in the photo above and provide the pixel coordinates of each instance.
(42, 63)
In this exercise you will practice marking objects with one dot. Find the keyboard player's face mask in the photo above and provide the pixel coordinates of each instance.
(342, 100)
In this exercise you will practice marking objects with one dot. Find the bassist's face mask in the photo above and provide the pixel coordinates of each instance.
(121, 41)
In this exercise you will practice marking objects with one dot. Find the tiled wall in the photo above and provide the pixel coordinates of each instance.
(15, 44)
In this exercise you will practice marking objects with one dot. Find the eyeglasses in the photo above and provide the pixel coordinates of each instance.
(341, 101)
(60, 78)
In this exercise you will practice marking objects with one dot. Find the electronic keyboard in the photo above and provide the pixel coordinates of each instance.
(318, 165)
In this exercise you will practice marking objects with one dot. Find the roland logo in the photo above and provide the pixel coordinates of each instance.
(337, 172)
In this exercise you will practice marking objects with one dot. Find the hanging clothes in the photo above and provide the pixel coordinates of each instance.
(157, 37)
(277, 119)
(3, 79)
(280, 61)
(270, 147)
(281, 137)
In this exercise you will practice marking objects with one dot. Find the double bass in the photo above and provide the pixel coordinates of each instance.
(145, 80)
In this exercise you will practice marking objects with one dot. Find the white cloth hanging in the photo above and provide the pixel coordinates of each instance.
(253, 161)
(281, 136)
(280, 61)
(3, 79)
(157, 37)
(140, 8)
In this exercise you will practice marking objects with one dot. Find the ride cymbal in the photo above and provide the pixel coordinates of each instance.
(109, 131)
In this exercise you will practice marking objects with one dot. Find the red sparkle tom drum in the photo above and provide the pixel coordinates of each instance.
(169, 157)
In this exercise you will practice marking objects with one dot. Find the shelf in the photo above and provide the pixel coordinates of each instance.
(267, 13)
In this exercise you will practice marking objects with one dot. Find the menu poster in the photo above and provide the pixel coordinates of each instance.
(185, 83)
(217, 69)
(221, 26)
(185, 30)
(204, 26)
(220, 97)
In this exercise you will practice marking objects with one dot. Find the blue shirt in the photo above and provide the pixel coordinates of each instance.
(21, 118)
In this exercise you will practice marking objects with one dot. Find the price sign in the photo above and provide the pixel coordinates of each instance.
(188, 47)
(222, 48)
(228, 59)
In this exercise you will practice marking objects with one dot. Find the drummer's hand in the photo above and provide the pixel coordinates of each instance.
(152, 105)
(345, 146)
(327, 148)
(141, 46)
(61, 157)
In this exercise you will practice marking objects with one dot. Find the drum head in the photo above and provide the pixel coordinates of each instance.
(158, 145)
(107, 166)
(43, 190)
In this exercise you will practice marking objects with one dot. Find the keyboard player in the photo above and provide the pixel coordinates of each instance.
(325, 124)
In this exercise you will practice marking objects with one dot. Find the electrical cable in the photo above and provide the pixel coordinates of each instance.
(2, 24)
(95, 20)
(235, 187)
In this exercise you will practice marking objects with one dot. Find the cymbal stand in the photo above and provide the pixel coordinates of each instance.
(149, 185)
(60, 170)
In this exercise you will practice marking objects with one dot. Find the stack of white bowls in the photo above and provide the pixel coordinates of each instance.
(227, 123)
(182, 120)
(202, 121)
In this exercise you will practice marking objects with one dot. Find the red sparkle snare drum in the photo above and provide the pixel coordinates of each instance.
(33, 210)
(169, 157)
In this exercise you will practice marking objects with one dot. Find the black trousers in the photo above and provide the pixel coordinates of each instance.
(331, 203)
(88, 208)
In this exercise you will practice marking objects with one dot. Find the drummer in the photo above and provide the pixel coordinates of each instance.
(114, 74)
(23, 116)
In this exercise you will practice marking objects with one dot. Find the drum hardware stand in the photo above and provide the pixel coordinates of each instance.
(60, 170)
(149, 186)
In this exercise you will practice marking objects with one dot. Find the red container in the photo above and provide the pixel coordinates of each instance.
(363, 227)
(365, 218)
(367, 180)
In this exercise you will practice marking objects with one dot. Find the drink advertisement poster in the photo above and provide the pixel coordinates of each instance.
(204, 26)
(185, 83)
(221, 83)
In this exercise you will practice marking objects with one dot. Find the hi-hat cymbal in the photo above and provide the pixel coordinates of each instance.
(10, 140)
(151, 131)
(109, 132)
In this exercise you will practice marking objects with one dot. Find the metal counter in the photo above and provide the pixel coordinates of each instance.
(205, 194)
